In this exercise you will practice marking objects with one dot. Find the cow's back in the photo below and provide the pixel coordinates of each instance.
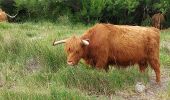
(122, 44)
(131, 43)
(3, 16)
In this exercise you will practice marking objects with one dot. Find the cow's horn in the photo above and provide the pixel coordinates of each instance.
(58, 42)
(11, 16)
(85, 42)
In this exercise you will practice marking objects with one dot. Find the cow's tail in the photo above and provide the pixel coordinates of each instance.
(11, 16)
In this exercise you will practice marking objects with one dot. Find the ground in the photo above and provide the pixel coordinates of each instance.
(31, 68)
(152, 91)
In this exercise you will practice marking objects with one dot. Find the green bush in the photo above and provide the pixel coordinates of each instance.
(88, 11)
(42, 9)
(147, 21)
(91, 10)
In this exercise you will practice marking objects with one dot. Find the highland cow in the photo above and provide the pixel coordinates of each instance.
(122, 45)
(4, 16)
(158, 20)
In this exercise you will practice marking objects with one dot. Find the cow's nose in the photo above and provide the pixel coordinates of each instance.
(69, 62)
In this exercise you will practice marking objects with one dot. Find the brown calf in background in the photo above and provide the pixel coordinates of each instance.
(158, 20)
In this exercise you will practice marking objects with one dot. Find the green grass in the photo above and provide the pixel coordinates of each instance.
(165, 48)
(31, 68)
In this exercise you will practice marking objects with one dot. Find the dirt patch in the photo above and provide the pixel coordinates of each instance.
(166, 44)
(153, 91)
(32, 64)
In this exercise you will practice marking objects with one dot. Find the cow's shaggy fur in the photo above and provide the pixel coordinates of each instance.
(3, 16)
(120, 45)
(158, 20)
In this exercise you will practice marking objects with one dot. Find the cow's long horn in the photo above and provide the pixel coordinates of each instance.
(85, 42)
(11, 16)
(58, 42)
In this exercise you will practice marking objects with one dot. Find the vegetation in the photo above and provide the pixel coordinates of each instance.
(134, 12)
(31, 68)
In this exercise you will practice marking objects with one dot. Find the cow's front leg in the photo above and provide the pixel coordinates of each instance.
(101, 60)
(102, 65)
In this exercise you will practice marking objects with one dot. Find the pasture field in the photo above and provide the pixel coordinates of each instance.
(32, 69)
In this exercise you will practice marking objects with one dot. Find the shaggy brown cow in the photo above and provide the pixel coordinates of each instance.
(107, 44)
(3, 16)
(158, 20)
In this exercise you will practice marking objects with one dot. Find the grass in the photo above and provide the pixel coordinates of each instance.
(31, 68)
(165, 48)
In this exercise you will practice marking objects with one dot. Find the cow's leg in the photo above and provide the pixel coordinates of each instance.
(153, 58)
(161, 26)
(156, 67)
(106, 68)
(90, 62)
(155, 64)
(102, 63)
(142, 66)
(158, 26)
(102, 59)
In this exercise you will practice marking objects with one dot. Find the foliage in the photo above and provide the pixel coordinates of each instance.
(31, 68)
(163, 6)
(88, 11)
(91, 10)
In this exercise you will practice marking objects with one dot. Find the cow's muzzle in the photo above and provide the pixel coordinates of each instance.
(70, 63)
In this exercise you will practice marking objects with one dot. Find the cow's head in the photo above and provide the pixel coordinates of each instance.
(75, 48)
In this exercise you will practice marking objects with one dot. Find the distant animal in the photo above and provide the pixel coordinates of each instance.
(158, 20)
(4, 16)
(121, 45)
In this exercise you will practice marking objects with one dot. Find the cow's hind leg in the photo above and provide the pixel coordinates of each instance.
(142, 66)
(153, 58)
(156, 67)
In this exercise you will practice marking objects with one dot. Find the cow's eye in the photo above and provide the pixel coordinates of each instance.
(77, 51)
(69, 49)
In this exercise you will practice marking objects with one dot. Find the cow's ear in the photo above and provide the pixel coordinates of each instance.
(85, 42)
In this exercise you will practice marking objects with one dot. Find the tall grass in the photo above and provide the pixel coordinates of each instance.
(33, 69)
